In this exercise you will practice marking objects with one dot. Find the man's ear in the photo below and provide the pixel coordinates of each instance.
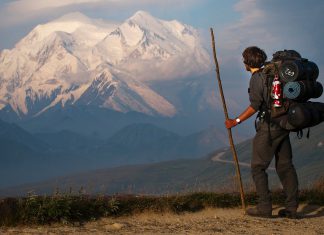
(247, 68)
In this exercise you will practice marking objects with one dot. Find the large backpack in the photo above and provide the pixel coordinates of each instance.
(298, 78)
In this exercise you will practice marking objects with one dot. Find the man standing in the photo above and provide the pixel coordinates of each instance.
(270, 140)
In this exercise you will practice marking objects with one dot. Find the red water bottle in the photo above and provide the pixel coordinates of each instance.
(276, 92)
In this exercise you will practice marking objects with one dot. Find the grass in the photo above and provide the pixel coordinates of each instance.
(69, 209)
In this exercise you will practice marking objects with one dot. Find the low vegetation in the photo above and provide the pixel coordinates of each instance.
(71, 209)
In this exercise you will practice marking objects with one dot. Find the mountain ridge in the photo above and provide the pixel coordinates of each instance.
(180, 175)
(51, 154)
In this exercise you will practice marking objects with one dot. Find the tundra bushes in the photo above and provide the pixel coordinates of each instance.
(60, 208)
(68, 208)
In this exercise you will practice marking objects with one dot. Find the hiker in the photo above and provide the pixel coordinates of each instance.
(270, 140)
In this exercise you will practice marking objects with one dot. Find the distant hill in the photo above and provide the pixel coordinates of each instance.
(66, 140)
(52, 154)
(308, 154)
(142, 134)
(13, 152)
(13, 132)
(144, 143)
(188, 175)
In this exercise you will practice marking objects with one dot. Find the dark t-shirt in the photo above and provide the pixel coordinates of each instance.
(258, 95)
(258, 91)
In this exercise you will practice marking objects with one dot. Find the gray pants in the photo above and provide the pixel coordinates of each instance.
(263, 153)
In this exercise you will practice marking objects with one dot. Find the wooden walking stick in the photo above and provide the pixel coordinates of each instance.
(238, 172)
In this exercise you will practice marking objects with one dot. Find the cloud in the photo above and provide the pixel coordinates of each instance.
(281, 24)
(36, 5)
(29, 10)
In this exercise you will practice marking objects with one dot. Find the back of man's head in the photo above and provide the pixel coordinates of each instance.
(254, 57)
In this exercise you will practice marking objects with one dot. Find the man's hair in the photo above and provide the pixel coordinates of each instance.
(254, 57)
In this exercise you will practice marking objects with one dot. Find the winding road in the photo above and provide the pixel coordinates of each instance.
(217, 158)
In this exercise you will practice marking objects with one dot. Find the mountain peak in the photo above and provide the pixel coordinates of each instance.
(142, 14)
(74, 16)
(143, 18)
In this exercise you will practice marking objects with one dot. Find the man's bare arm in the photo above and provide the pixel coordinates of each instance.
(229, 123)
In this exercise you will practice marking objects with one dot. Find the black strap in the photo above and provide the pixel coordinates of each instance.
(300, 134)
(269, 135)
(268, 116)
(308, 133)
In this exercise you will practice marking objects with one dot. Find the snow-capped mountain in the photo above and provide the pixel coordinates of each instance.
(77, 60)
(154, 49)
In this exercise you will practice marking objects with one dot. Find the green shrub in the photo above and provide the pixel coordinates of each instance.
(71, 208)
(9, 212)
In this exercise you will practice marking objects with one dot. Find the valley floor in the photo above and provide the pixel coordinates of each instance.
(208, 221)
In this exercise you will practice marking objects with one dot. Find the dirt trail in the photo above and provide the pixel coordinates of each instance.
(218, 158)
(208, 221)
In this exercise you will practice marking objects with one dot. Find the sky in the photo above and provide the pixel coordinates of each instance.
(17, 18)
(271, 25)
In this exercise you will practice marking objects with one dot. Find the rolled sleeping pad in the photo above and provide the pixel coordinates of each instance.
(282, 121)
(296, 70)
(303, 115)
(312, 70)
(292, 90)
(318, 90)
(291, 70)
(303, 90)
